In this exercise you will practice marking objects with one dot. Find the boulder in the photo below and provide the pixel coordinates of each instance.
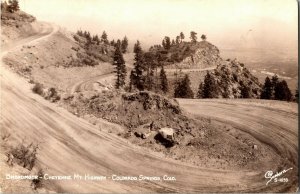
(167, 133)
(255, 147)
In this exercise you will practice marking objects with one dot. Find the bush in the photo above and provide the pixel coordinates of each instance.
(38, 89)
(52, 95)
(76, 38)
(24, 155)
(38, 183)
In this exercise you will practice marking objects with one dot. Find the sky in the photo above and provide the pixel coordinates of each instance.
(262, 24)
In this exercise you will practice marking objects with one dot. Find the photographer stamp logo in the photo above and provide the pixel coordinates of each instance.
(276, 177)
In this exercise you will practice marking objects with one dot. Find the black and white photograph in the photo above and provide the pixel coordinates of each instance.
(149, 96)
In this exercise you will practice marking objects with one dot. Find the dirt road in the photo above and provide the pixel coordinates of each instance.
(71, 145)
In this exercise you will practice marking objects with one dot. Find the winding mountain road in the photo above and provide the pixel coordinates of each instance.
(72, 145)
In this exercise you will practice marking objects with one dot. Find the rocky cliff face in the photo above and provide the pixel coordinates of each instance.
(205, 55)
(234, 80)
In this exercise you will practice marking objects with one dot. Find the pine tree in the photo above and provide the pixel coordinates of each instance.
(209, 88)
(124, 44)
(203, 37)
(173, 42)
(136, 75)
(104, 38)
(150, 63)
(267, 89)
(200, 90)
(274, 82)
(96, 39)
(13, 6)
(118, 44)
(163, 43)
(163, 80)
(181, 36)
(177, 39)
(149, 80)
(282, 91)
(120, 71)
(167, 43)
(88, 39)
(183, 88)
(113, 43)
(245, 91)
(137, 47)
(193, 36)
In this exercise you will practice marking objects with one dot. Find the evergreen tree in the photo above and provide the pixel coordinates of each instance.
(120, 71)
(124, 44)
(267, 89)
(88, 39)
(113, 43)
(163, 80)
(203, 37)
(274, 82)
(183, 88)
(149, 66)
(13, 6)
(167, 43)
(96, 39)
(136, 76)
(177, 39)
(181, 36)
(118, 44)
(200, 90)
(209, 88)
(79, 33)
(163, 43)
(193, 36)
(245, 91)
(137, 47)
(85, 33)
(173, 42)
(149, 80)
(104, 38)
(282, 91)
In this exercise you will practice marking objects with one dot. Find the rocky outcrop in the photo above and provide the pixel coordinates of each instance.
(206, 55)
(234, 80)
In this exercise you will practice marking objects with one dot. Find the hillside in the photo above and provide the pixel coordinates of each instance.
(17, 25)
(222, 145)
(90, 52)
(60, 61)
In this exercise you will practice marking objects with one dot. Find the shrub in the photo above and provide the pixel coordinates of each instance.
(38, 183)
(52, 95)
(24, 155)
(38, 89)
(76, 38)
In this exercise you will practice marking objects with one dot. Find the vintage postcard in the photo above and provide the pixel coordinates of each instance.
(149, 96)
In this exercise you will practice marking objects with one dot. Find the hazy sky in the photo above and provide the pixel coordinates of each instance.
(227, 23)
